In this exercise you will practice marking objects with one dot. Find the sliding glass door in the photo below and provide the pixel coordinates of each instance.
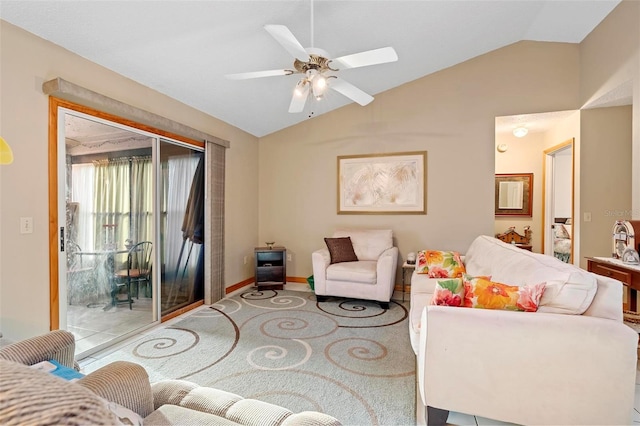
(181, 226)
(131, 222)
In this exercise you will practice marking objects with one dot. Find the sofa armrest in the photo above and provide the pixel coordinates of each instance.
(58, 345)
(387, 266)
(320, 260)
(124, 383)
(527, 368)
(386, 275)
(608, 299)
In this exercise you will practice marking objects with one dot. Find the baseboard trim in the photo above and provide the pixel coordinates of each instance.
(297, 280)
(251, 281)
(238, 286)
(181, 311)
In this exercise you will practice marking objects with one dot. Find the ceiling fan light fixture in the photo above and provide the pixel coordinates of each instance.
(319, 85)
(300, 89)
(520, 132)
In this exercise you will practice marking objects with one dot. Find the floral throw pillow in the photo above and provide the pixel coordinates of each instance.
(443, 264)
(448, 292)
(481, 292)
(421, 263)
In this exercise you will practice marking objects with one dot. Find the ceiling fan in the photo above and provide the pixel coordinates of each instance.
(319, 69)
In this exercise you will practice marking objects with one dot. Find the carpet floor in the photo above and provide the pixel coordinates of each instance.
(347, 358)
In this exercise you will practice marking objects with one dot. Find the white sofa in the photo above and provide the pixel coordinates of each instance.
(573, 362)
(372, 277)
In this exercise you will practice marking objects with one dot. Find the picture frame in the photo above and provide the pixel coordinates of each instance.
(390, 183)
(514, 194)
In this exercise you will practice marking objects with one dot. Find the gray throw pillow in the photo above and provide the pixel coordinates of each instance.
(341, 250)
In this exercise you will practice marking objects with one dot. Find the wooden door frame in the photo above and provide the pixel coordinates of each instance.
(549, 152)
(54, 238)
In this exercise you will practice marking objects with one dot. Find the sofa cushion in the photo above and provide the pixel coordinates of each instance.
(124, 415)
(364, 271)
(254, 412)
(169, 415)
(569, 290)
(441, 264)
(368, 244)
(480, 292)
(422, 266)
(210, 400)
(341, 250)
(448, 292)
(30, 396)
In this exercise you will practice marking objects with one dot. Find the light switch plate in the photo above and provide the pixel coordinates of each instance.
(26, 225)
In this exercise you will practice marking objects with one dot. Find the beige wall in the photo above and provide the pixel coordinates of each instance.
(610, 67)
(450, 114)
(28, 61)
(606, 167)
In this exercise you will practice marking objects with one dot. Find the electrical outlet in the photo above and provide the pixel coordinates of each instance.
(288, 258)
(26, 225)
(587, 217)
(245, 260)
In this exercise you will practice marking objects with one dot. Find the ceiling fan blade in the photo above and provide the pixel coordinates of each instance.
(299, 98)
(350, 91)
(258, 74)
(363, 59)
(288, 41)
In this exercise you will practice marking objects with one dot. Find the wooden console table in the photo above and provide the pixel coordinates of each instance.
(614, 268)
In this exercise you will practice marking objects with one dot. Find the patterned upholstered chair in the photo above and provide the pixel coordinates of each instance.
(30, 396)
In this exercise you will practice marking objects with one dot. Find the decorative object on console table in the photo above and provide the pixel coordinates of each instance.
(514, 194)
(629, 275)
(624, 237)
(630, 257)
(270, 267)
(521, 241)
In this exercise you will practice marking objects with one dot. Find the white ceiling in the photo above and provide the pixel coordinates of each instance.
(184, 48)
(534, 123)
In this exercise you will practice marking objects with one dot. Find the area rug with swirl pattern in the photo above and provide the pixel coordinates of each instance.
(347, 358)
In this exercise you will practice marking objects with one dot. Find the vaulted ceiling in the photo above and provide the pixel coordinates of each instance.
(184, 49)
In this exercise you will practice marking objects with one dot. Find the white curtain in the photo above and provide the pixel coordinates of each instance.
(112, 202)
(141, 199)
(82, 176)
(177, 186)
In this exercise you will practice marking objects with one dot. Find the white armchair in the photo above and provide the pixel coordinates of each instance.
(371, 277)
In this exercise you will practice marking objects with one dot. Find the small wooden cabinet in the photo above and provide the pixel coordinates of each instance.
(629, 275)
(271, 267)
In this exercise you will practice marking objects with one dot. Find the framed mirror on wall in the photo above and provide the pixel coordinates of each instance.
(514, 194)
